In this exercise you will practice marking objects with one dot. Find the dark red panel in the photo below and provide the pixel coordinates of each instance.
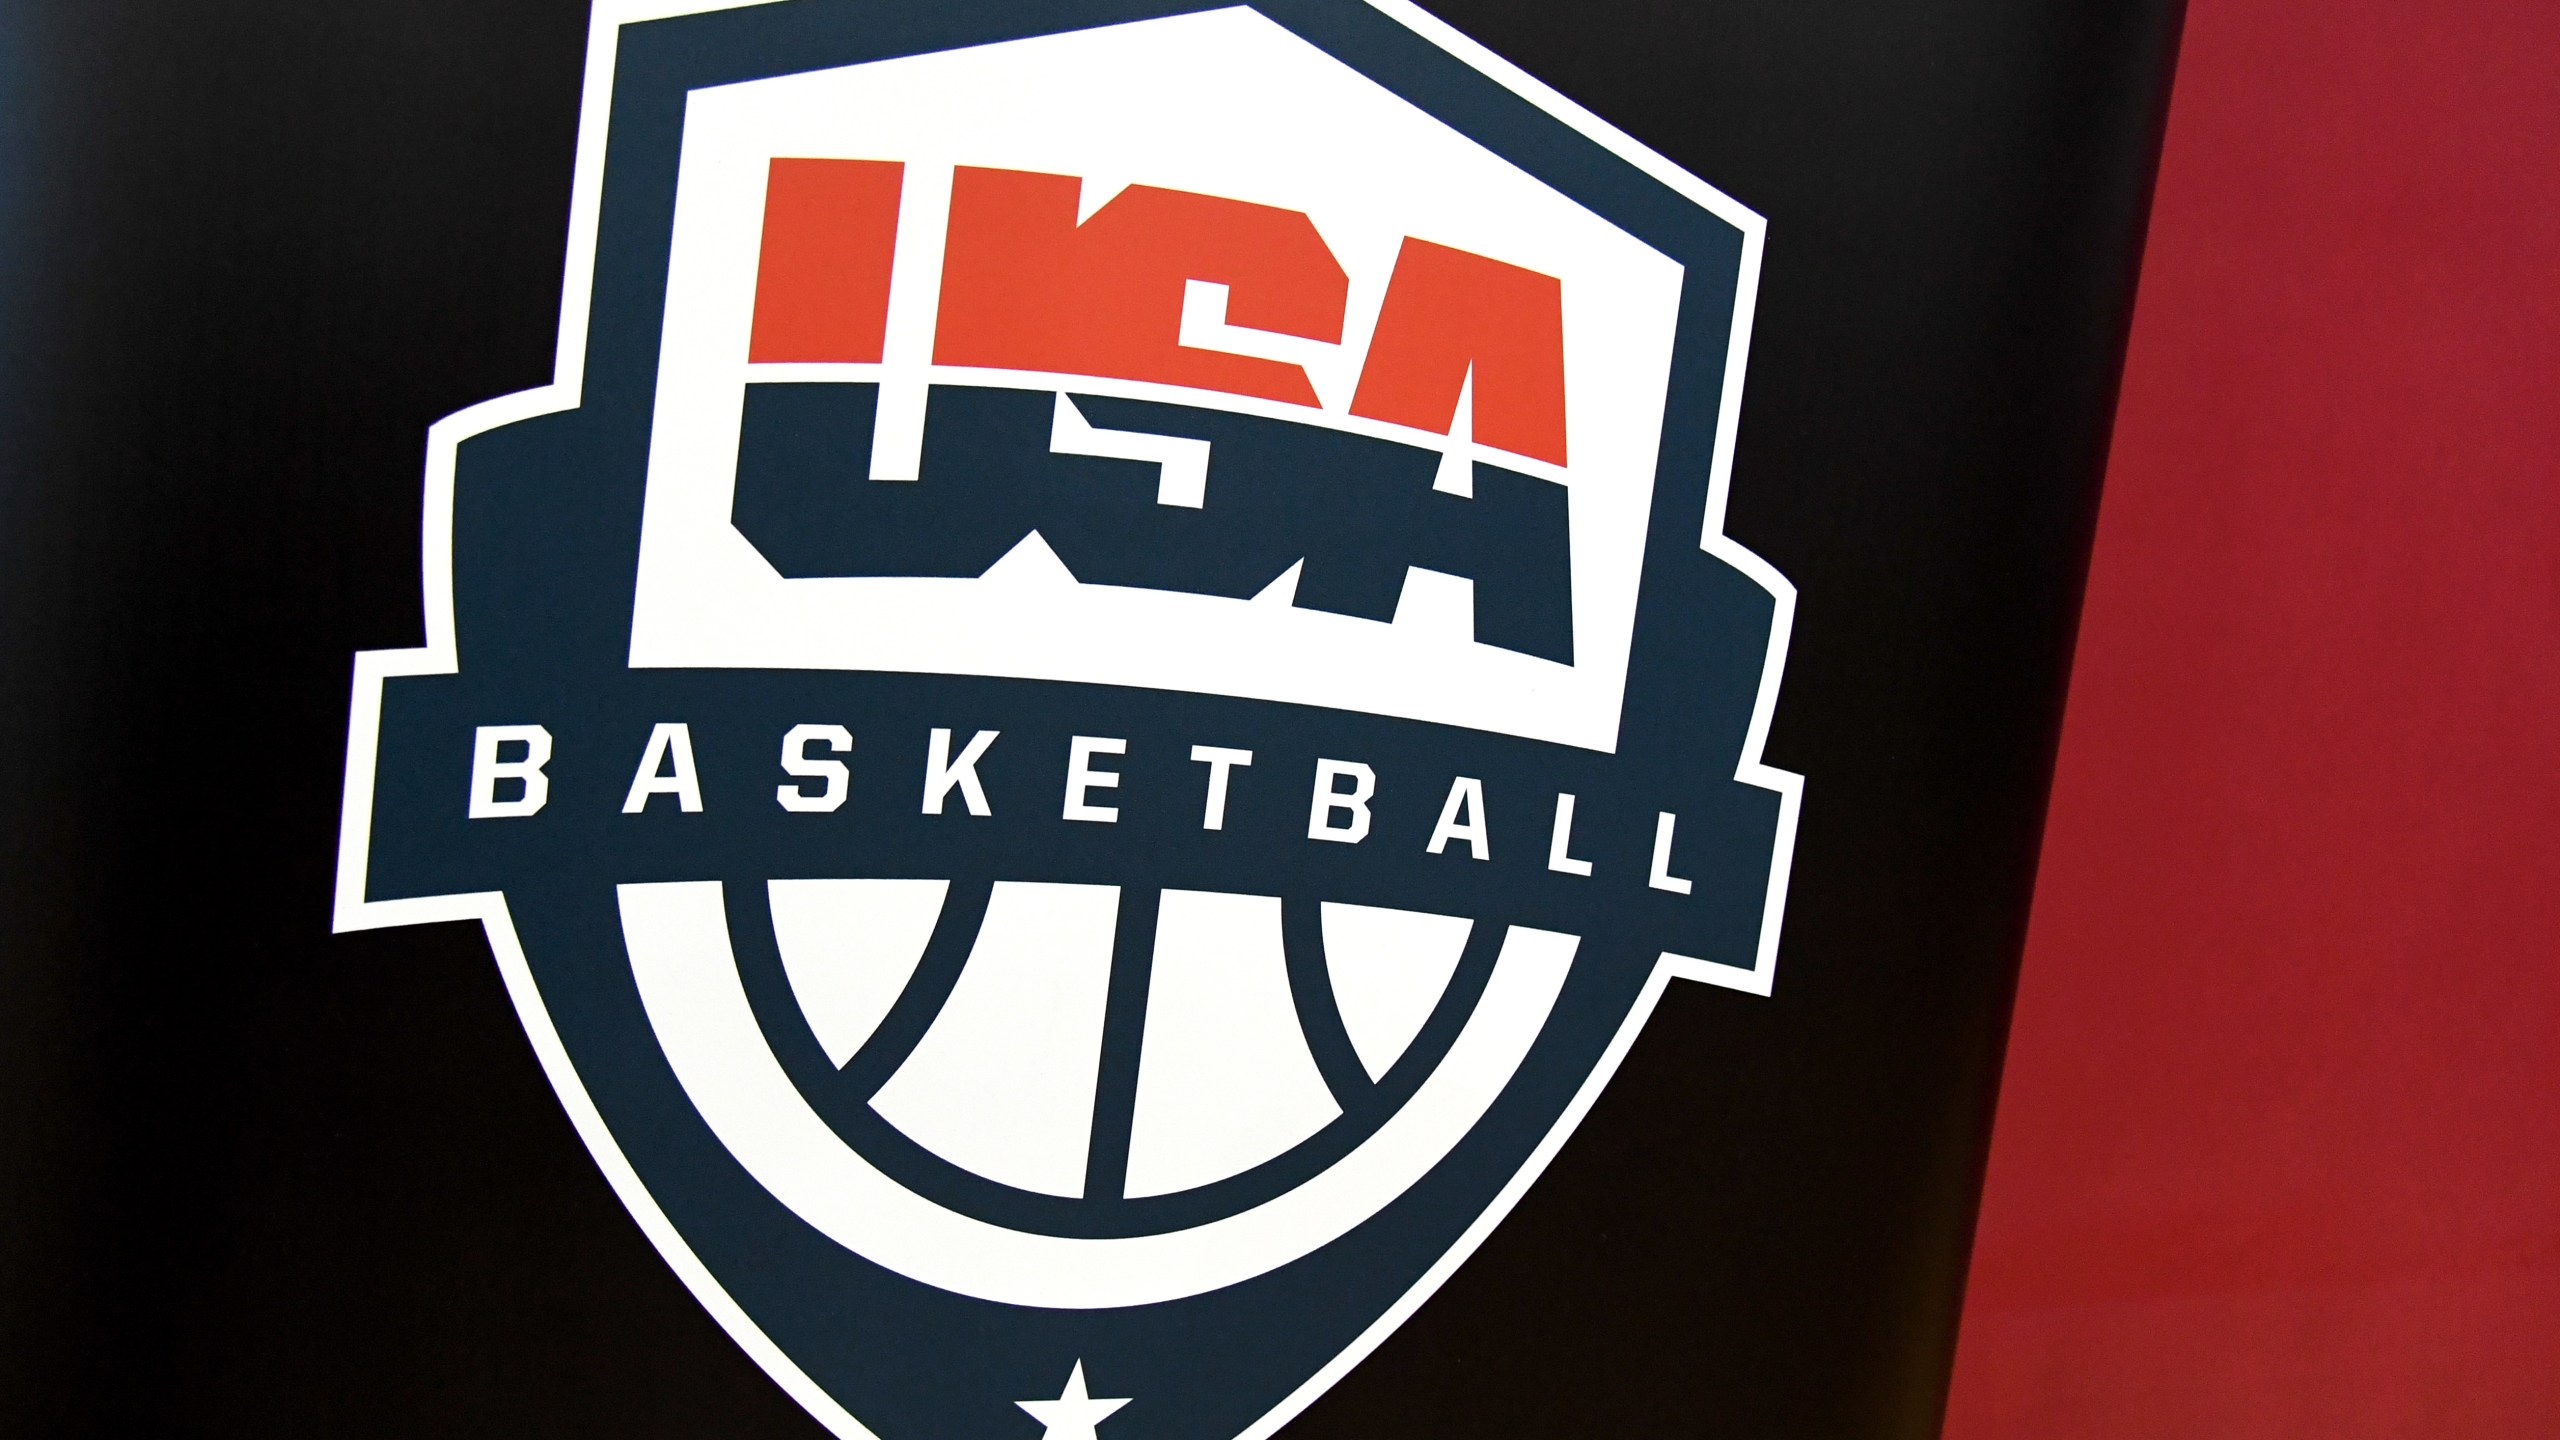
(2279, 1144)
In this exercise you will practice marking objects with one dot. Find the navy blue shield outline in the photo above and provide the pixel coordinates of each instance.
(1258, 939)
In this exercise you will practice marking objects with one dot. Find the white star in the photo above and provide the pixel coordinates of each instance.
(1074, 1413)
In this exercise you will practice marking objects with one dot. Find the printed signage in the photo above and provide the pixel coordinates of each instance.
(1105, 688)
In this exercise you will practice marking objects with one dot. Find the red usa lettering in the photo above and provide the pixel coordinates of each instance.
(1025, 285)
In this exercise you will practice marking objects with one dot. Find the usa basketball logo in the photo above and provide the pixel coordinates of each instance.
(1104, 689)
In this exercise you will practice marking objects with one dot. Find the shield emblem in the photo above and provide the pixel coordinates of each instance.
(1104, 689)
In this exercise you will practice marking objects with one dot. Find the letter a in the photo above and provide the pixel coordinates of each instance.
(1466, 797)
(1453, 323)
(670, 749)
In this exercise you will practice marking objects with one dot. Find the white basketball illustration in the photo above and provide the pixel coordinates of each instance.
(1002, 1081)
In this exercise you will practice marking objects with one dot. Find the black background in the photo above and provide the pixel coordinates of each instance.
(257, 1180)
